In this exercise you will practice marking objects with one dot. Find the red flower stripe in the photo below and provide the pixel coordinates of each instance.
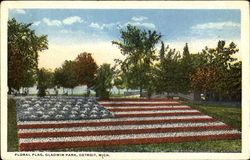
(141, 104)
(146, 109)
(118, 132)
(157, 114)
(75, 144)
(68, 125)
(134, 99)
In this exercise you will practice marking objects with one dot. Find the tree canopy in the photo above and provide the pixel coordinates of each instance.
(168, 71)
(86, 69)
(66, 76)
(220, 75)
(103, 80)
(45, 80)
(23, 48)
(138, 46)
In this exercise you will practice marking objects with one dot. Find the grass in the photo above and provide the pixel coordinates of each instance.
(228, 115)
(12, 130)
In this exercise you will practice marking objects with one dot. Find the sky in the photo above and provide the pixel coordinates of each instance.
(73, 31)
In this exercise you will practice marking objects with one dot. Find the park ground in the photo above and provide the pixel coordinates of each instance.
(227, 114)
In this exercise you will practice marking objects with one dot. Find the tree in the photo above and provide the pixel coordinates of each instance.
(66, 76)
(86, 69)
(186, 67)
(23, 48)
(168, 73)
(234, 82)
(29, 79)
(226, 70)
(103, 80)
(186, 53)
(139, 48)
(162, 51)
(45, 80)
(205, 79)
(59, 77)
(119, 80)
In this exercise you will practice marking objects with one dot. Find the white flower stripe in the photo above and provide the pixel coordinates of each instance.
(111, 119)
(120, 127)
(140, 102)
(182, 106)
(156, 111)
(127, 136)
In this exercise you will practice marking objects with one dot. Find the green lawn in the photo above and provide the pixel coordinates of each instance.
(226, 114)
(229, 115)
(12, 130)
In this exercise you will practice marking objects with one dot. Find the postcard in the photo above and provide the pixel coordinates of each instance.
(125, 80)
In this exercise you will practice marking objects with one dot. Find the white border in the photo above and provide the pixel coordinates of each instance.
(242, 5)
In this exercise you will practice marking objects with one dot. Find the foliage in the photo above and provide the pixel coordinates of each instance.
(173, 70)
(23, 48)
(205, 79)
(213, 71)
(168, 73)
(29, 78)
(45, 80)
(186, 67)
(103, 80)
(233, 82)
(138, 46)
(86, 69)
(162, 51)
(186, 54)
(119, 80)
(59, 77)
(65, 76)
(224, 79)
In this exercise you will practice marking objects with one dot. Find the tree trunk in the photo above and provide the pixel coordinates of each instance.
(9, 90)
(168, 97)
(72, 91)
(140, 92)
(88, 91)
(96, 93)
(197, 96)
(206, 95)
(27, 91)
(149, 94)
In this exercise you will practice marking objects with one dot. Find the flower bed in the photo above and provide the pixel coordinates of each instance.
(60, 108)
(135, 122)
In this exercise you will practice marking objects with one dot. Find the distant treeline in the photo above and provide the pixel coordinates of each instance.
(213, 71)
